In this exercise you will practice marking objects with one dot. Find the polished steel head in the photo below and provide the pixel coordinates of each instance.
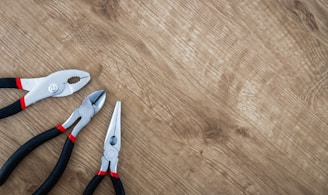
(113, 136)
(58, 84)
(112, 144)
(89, 107)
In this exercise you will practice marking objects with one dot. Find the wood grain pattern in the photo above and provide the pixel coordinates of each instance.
(218, 97)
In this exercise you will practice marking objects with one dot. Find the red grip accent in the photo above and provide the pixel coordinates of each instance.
(22, 103)
(61, 128)
(100, 172)
(72, 138)
(113, 174)
(19, 83)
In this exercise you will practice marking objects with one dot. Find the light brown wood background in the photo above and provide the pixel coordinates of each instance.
(218, 96)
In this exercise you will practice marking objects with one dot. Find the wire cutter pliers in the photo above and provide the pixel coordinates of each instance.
(89, 107)
(56, 84)
(109, 159)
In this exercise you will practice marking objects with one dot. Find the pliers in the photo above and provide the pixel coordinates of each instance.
(57, 84)
(109, 159)
(89, 107)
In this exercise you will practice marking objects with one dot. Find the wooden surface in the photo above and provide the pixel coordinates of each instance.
(218, 96)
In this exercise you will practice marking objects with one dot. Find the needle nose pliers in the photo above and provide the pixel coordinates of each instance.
(89, 107)
(109, 159)
(56, 84)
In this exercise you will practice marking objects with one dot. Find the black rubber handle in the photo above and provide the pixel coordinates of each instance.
(93, 184)
(118, 186)
(58, 170)
(8, 83)
(23, 151)
(11, 109)
(16, 106)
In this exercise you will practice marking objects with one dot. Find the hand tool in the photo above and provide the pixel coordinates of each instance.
(89, 107)
(109, 159)
(56, 84)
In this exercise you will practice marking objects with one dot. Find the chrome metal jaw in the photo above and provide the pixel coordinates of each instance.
(56, 85)
(112, 144)
(89, 107)
(113, 136)
(110, 163)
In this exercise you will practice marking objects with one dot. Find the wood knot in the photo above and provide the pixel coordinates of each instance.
(242, 131)
(216, 133)
(305, 15)
(213, 133)
(218, 130)
(108, 8)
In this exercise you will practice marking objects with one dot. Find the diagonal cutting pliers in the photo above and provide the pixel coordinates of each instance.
(89, 107)
(109, 159)
(57, 84)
